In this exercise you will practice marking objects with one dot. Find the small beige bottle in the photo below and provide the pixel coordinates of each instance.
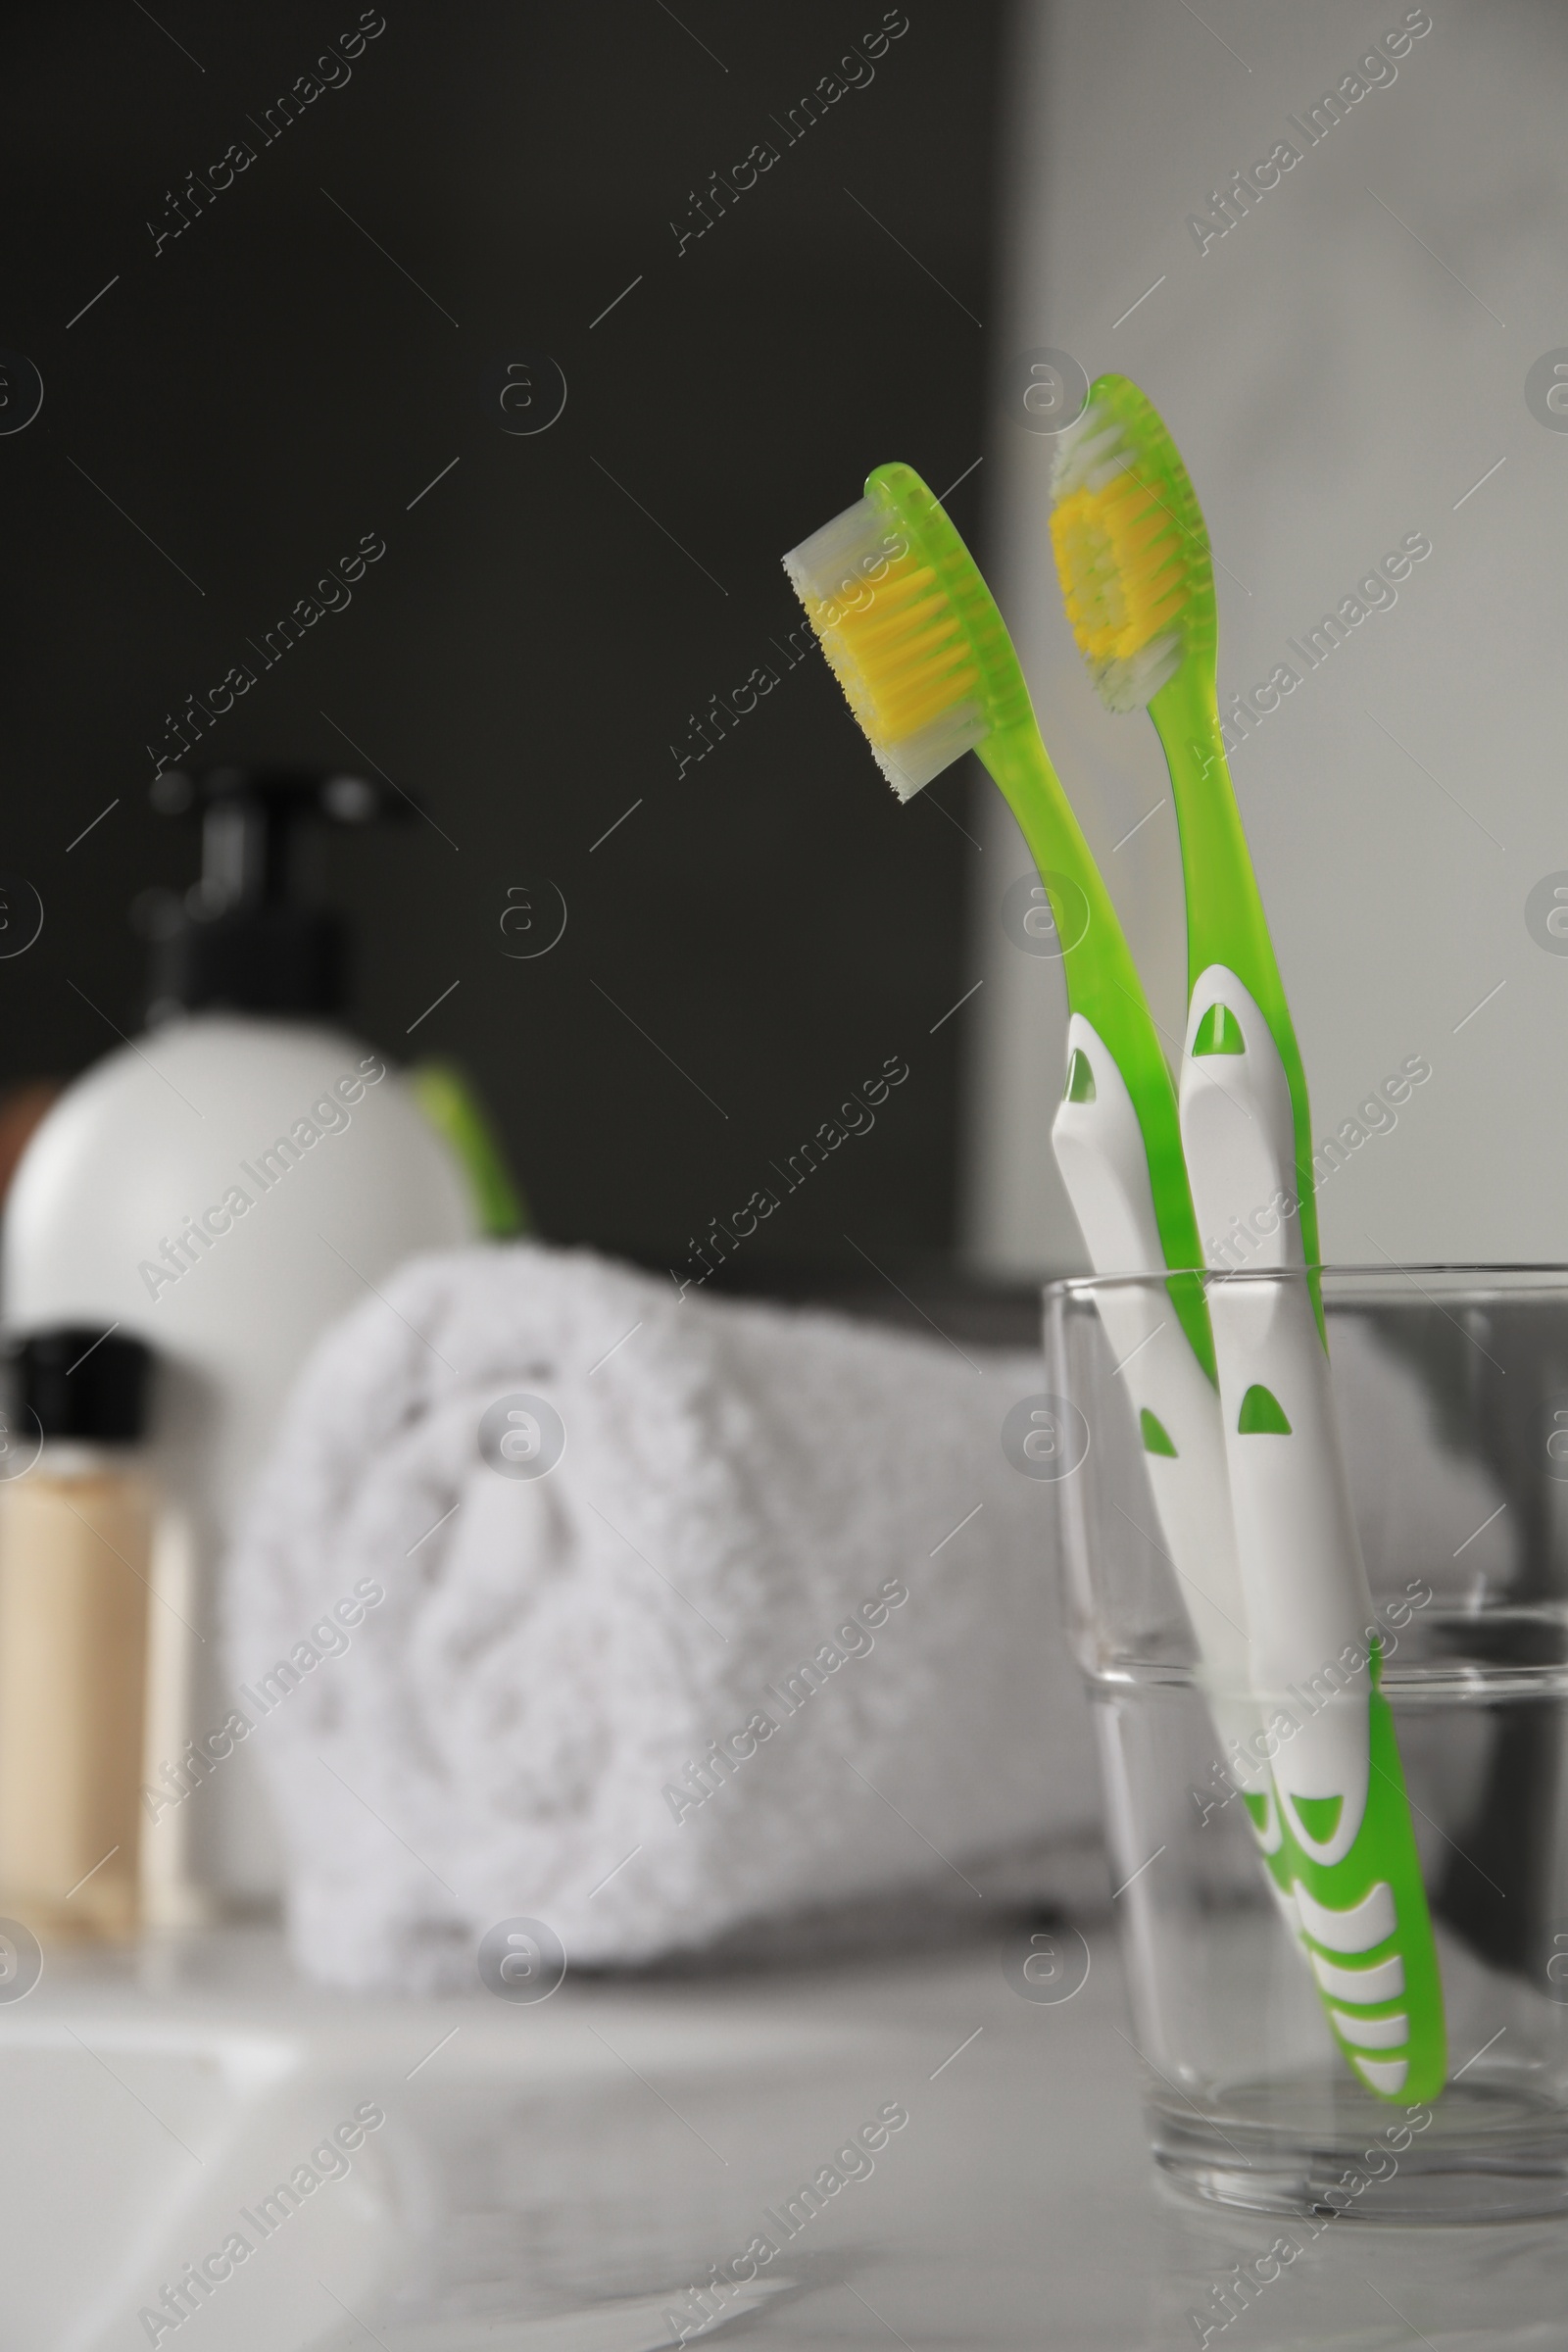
(76, 1515)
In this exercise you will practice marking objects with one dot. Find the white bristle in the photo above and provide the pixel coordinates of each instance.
(837, 570)
(910, 764)
(1132, 684)
(838, 561)
(1092, 452)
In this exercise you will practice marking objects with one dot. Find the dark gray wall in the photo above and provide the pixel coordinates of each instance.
(262, 389)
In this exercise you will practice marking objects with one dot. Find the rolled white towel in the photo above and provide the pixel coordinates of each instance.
(780, 1553)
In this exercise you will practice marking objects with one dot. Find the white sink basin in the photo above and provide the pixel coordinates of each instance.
(131, 2146)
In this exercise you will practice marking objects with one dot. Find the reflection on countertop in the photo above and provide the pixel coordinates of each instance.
(945, 2147)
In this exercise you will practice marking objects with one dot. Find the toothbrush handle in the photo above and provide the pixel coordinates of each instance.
(1103, 984)
(1346, 1823)
(1100, 1151)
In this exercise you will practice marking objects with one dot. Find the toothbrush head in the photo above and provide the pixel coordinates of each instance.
(909, 628)
(1131, 545)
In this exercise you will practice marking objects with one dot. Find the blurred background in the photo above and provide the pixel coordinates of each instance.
(241, 380)
(319, 354)
(1355, 349)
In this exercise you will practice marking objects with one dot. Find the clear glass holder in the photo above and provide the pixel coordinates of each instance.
(1452, 1394)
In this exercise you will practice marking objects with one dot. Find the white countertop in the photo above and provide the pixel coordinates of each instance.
(558, 2175)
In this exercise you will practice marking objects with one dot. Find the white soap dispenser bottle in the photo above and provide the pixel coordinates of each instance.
(225, 1188)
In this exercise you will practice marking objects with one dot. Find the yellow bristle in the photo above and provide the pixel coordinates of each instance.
(898, 653)
(1119, 556)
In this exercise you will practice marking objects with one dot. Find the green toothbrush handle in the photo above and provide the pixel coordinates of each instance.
(1368, 1934)
(1350, 1839)
(1225, 920)
(1103, 987)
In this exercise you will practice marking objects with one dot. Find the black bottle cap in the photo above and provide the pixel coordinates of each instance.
(241, 941)
(79, 1384)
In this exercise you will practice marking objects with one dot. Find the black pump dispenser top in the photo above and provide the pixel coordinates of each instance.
(239, 941)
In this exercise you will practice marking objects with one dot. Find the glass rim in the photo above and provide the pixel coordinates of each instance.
(1479, 1271)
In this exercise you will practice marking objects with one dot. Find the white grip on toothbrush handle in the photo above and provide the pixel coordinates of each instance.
(1308, 1605)
(1099, 1148)
(1350, 1848)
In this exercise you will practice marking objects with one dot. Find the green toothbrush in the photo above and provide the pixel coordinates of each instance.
(1134, 557)
(914, 637)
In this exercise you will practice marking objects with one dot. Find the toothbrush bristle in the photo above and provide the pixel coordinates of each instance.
(1124, 558)
(893, 641)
